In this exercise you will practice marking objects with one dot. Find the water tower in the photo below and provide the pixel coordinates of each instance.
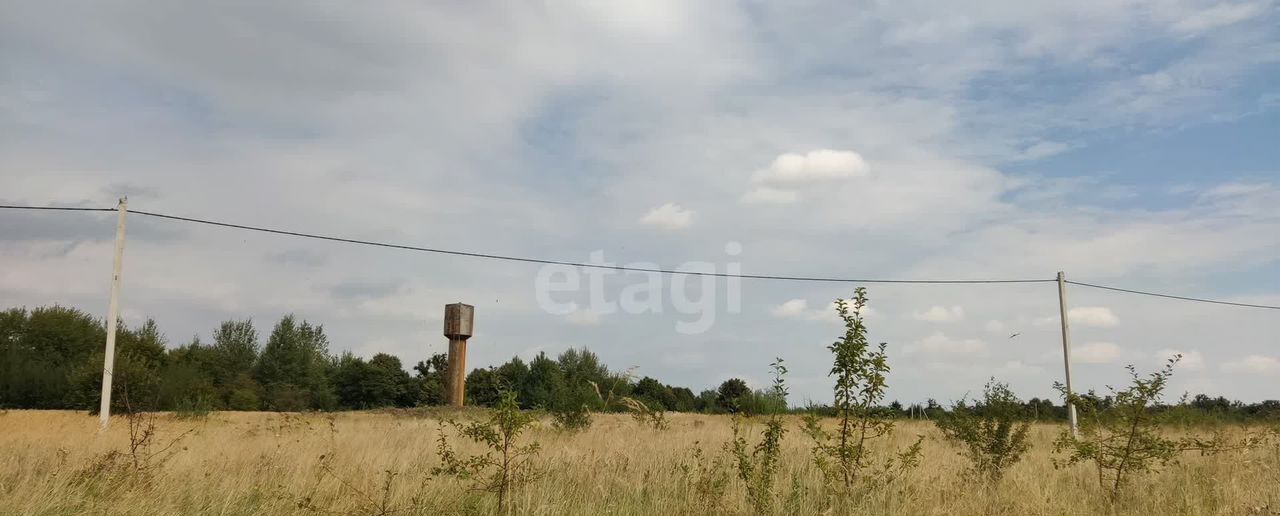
(458, 320)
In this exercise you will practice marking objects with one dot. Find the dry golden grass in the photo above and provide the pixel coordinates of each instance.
(261, 463)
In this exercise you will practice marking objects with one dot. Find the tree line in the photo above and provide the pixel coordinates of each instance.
(52, 359)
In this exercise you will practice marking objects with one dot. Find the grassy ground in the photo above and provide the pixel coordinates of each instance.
(351, 463)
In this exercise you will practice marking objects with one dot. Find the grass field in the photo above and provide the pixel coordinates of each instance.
(53, 462)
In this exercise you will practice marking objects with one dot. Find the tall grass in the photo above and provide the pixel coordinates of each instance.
(349, 463)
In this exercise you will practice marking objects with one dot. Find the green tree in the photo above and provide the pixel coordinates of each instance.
(380, 382)
(582, 371)
(845, 455)
(707, 401)
(293, 367)
(140, 358)
(514, 376)
(45, 353)
(348, 377)
(655, 394)
(233, 355)
(431, 377)
(484, 387)
(390, 368)
(684, 399)
(730, 395)
(187, 379)
(545, 384)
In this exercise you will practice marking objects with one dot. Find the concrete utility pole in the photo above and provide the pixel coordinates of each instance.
(458, 319)
(113, 313)
(1066, 350)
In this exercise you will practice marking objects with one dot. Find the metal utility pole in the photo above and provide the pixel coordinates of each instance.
(113, 313)
(1066, 350)
(458, 319)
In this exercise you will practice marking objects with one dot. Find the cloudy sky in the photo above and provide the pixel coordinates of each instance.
(1130, 143)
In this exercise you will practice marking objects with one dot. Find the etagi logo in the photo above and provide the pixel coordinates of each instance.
(696, 294)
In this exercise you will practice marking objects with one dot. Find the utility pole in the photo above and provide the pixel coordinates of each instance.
(113, 313)
(1066, 350)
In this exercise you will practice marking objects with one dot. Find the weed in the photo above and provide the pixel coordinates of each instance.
(369, 501)
(639, 410)
(506, 465)
(758, 465)
(643, 414)
(706, 481)
(144, 453)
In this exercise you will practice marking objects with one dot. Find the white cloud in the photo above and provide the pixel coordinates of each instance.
(1218, 16)
(1235, 190)
(814, 166)
(531, 352)
(995, 326)
(1191, 360)
(799, 309)
(793, 308)
(583, 318)
(1040, 150)
(1254, 364)
(1095, 316)
(941, 343)
(1096, 353)
(374, 82)
(668, 216)
(829, 313)
(767, 195)
(1020, 367)
(1092, 316)
(941, 314)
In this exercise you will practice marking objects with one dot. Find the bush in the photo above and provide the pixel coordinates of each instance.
(193, 407)
(243, 399)
(573, 419)
(1120, 434)
(989, 432)
(288, 398)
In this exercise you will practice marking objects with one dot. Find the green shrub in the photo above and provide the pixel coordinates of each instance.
(572, 419)
(1121, 435)
(193, 407)
(758, 465)
(705, 482)
(506, 465)
(243, 399)
(989, 432)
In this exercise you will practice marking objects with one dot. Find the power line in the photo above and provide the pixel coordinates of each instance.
(52, 208)
(626, 268)
(535, 260)
(573, 264)
(1170, 296)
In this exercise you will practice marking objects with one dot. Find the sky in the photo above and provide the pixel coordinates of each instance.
(1127, 143)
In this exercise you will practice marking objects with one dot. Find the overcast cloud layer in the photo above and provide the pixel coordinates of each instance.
(1125, 142)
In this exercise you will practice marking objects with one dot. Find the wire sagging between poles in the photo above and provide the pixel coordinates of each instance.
(626, 268)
